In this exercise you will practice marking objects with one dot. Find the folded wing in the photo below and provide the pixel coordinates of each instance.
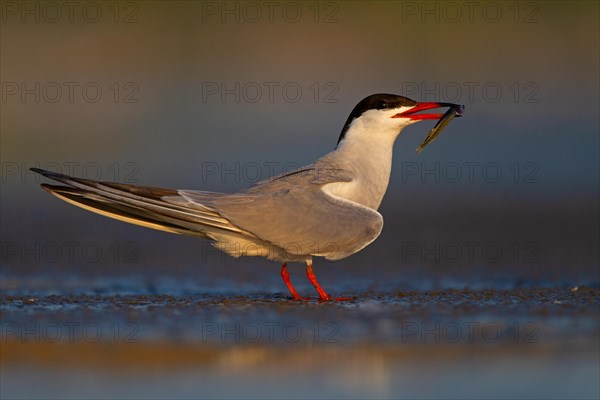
(293, 213)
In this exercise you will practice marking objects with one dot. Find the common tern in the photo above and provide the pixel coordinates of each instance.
(326, 209)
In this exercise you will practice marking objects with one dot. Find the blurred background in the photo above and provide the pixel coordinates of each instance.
(219, 95)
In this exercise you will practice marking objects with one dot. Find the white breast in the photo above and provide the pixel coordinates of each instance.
(367, 153)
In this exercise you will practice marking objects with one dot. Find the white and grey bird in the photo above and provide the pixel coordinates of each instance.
(326, 209)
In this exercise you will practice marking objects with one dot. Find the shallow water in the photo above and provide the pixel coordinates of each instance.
(427, 344)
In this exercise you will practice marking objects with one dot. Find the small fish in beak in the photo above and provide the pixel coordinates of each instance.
(454, 111)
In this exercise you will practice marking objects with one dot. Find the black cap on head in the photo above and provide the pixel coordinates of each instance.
(379, 101)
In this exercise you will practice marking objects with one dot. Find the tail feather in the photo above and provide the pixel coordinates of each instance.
(80, 199)
(152, 207)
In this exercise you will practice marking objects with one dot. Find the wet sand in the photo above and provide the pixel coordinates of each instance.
(518, 343)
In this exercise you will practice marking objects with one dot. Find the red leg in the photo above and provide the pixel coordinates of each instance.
(286, 278)
(313, 279)
(323, 296)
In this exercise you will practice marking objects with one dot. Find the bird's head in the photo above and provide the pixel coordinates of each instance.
(386, 115)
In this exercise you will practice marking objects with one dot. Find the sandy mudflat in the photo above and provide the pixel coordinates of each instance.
(433, 344)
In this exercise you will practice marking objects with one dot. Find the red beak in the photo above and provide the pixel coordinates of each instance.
(423, 106)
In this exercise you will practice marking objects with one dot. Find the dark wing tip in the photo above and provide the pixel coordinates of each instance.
(60, 189)
(48, 188)
(49, 174)
(144, 191)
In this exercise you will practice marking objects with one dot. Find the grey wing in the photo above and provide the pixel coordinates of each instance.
(292, 212)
